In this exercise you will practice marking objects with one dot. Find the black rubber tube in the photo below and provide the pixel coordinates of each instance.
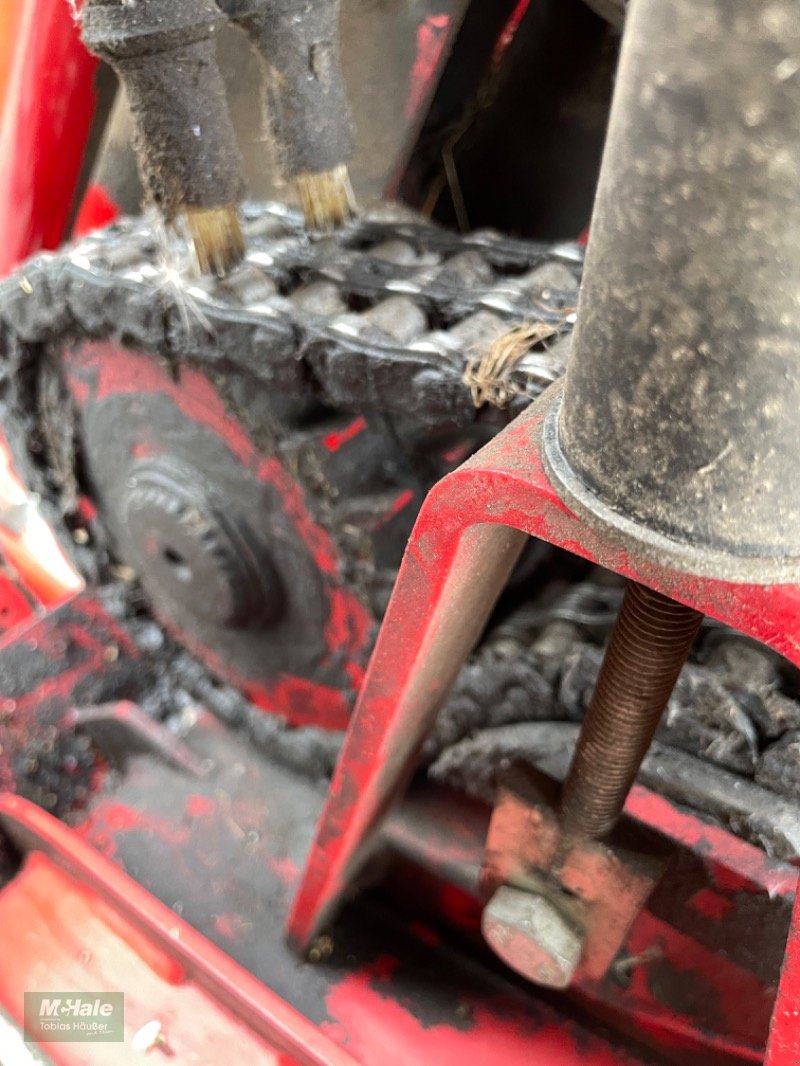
(681, 408)
(164, 53)
(306, 100)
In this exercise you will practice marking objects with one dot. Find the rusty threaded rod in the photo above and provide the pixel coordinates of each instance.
(649, 645)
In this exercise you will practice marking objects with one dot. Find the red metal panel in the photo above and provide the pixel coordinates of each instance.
(456, 557)
(53, 926)
(44, 129)
(784, 1041)
(165, 935)
(8, 33)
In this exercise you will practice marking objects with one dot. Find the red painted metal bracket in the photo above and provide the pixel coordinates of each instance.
(199, 961)
(466, 539)
(734, 887)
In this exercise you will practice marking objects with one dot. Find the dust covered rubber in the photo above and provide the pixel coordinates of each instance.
(385, 315)
(385, 319)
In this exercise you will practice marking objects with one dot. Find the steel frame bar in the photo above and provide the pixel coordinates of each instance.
(464, 543)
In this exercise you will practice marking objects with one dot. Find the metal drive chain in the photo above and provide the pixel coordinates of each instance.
(727, 746)
(385, 315)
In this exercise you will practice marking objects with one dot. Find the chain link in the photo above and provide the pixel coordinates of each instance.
(385, 315)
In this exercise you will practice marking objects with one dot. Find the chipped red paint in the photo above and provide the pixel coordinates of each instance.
(435, 836)
(230, 926)
(258, 820)
(348, 627)
(94, 611)
(510, 28)
(198, 807)
(336, 440)
(304, 702)
(457, 555)
(300, 701)
(671, 975)
(731, 1006)
(106, 823)
(432, 37)
(120, 819)
(711, 904)
(735, 865)
(41, 636)
(143, 450)
(398, 504)
(364, 1013)
(119, 371)
(101, 370)
(315, 538)
(285, 869)
(355, 674)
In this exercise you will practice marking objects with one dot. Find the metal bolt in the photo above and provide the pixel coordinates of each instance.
(151, 1037)
(533, 936)
(651, 640)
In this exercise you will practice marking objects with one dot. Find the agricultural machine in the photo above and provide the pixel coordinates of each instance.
(399, 551)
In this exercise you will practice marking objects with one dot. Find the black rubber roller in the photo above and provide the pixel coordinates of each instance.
(306, 101)
(164, 53)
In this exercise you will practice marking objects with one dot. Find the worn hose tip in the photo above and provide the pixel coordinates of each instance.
(327, 198)
(217, 237)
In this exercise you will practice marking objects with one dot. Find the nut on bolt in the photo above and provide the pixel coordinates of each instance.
(532, 935)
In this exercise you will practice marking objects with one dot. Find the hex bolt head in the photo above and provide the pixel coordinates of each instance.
(532, 936)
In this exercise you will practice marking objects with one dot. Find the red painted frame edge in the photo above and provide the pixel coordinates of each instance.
(464, 542)
(269, 1016)
(45, 121)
